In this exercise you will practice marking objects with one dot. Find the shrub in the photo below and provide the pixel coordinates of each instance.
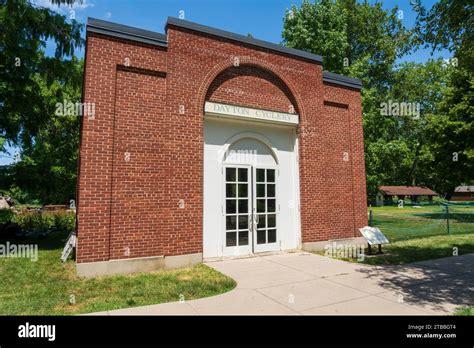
(65, 221)
(6, 215)
(44, 221)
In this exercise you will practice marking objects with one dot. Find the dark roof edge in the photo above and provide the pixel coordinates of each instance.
(342, 80)
(125, 32)
(241, 38)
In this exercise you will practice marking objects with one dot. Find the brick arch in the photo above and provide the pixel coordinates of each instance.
(251, 86)
(248, 62)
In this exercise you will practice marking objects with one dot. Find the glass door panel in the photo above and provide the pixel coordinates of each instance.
(237, 210)
(265, 210)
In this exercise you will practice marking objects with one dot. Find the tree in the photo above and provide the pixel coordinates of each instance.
(320, 28)
(421, 86)
(25, 28)
(347, 33)
(47, 168)
(31, 83)
(361, 40)
(433, 147)
(449, 25)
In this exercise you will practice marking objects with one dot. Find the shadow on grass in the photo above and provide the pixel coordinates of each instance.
(403, 253)
(54, 240)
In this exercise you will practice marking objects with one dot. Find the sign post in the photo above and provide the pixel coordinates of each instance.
(447, 217)
(374, 236)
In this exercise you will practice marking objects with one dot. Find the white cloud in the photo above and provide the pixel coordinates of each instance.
(80, 6)
(77, 5)
(108, 15)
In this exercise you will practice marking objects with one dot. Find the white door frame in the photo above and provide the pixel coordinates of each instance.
(256, 216)
(252, 216)
(236, 250)
(220, 135)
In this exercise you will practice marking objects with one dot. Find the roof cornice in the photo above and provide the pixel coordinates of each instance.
(125, 32)
(341, 80)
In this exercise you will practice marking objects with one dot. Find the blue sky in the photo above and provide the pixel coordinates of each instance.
(262, 18)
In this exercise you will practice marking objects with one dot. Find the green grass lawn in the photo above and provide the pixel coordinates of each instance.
(49, 287)
(409, 222)
(418, 234)
(465, 311)
(420, 249)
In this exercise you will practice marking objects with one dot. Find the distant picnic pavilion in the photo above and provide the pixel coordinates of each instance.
(386, 194)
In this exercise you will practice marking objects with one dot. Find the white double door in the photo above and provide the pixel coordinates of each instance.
(250, 209)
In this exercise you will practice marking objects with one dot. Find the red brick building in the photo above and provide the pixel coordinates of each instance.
(207, 144)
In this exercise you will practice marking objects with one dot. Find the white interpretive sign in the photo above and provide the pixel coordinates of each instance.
(373, 235)
(235, 111)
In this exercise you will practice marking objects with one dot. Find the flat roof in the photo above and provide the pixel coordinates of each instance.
(158, 39)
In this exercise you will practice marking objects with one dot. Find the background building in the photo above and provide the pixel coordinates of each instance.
(463, 193)
(415, 193)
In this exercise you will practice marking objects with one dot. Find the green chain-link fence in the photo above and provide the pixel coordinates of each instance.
(423, 221)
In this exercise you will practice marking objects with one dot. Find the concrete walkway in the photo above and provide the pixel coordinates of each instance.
(304, 283)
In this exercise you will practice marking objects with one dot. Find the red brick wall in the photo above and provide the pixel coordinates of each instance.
(353, 130)
(139, 166)
(113, 192)
(151, 111)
